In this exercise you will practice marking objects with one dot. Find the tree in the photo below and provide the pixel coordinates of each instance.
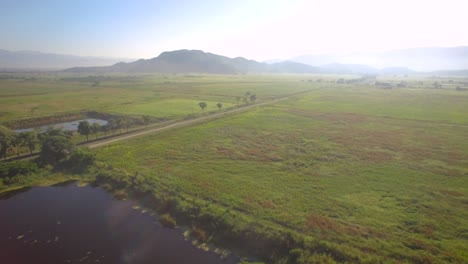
(5, 137)
(56, 148)
(84, 128)
(119, 124)
(95, 128)
(112, 124)
(105, 128)
(127, 123)
(219, 105)
(80, 160)
(146, 120)
(202, 105)
(16, 142)
(253, 98)
(30, 140)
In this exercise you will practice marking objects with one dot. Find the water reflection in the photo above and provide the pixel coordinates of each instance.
(71, 224)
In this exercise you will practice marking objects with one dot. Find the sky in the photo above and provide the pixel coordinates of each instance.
(254, 29)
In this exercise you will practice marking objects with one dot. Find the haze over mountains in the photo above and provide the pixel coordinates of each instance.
(34, 60)
(447, 61)
(197, 61)
(417, 59)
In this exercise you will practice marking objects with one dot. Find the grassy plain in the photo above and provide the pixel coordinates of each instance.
(33, 95)
(379, 174)
(345, 172)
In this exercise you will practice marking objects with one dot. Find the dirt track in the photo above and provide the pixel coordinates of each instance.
(176, 124)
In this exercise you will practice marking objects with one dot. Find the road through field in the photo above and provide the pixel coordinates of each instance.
(180, 123)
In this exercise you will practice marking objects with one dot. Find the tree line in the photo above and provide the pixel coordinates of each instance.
(113, 126)
(246, 99)
(15, 143)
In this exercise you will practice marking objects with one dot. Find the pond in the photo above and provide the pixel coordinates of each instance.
(70, 126)
(71, 224)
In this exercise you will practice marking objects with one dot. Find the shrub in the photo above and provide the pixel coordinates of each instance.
(9, 169)
(199, 234)
(120, 195)
(167, 221)
(80, 160)
(18, 179)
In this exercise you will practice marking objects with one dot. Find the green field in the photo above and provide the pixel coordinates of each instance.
(344, 172)
(34, 95)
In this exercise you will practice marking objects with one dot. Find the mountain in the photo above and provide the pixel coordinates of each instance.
(34, 60)
(360, 69)
(340, 68)
(419, 59)
(197, 61)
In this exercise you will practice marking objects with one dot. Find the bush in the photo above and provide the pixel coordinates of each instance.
(80, 160)
(120, 195)
(167, 221)
(199, 234)
(18, 179)
(114, 180)
(23, 167)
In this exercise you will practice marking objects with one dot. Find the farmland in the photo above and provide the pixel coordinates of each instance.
(341, 172)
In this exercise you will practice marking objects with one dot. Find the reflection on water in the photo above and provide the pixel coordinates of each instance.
(71, 224)
(69, 126)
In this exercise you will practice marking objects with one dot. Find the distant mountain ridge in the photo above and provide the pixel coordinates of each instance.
(197, 61)
(416, 59)
(35, 60)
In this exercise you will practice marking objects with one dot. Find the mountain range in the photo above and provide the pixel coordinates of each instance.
(416, 59)
(34, 60)
(444, 61)
(197, 61)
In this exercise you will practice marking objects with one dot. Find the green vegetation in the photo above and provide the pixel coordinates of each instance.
(58, 155)
(167, 221)
(84, 128)
(346, 172)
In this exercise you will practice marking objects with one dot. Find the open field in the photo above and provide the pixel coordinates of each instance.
(36, 95)
(344, 172)
(343, 165)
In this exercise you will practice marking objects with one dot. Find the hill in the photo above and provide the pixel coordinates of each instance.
(197, 61)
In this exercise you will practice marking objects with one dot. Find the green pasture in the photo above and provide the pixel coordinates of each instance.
(33, 95)
(328, 165)
(170, 108)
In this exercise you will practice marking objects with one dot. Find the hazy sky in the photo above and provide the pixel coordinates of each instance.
(255, 29)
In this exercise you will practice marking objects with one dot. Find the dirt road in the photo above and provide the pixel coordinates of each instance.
(177, 124)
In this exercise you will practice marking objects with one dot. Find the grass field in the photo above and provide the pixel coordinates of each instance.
(26, 96)
(170, 108)
(352, 172)
(380, 172)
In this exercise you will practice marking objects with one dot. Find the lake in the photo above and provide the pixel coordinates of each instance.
(70, 126)
(71, 224)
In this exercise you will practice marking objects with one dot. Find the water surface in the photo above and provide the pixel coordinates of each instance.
(71, 224)
(69, 126)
